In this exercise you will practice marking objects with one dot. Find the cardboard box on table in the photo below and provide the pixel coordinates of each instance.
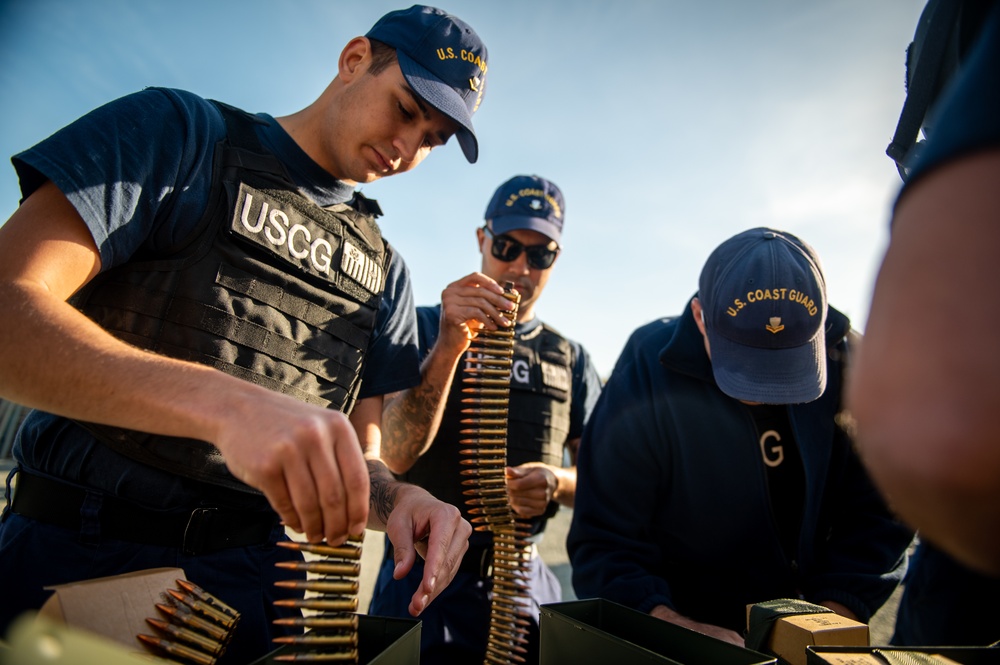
(582, 632)
(114, 607)
(792, 635)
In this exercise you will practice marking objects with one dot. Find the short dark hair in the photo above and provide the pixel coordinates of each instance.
(383, 55)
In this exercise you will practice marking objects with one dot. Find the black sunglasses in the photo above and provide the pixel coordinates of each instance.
(506, 249)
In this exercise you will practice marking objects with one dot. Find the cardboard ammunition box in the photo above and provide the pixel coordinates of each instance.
(599, 631)
(381, 641)
(791, 635)
(827, 655)
(114, 607)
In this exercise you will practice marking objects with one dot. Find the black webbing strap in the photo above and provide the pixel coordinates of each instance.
(941, 16)
(203, 530)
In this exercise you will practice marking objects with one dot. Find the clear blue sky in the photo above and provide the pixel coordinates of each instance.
(669, 125)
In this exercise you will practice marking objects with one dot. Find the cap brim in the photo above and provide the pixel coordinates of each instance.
(770, 376)
(443, 97)
(506, 223)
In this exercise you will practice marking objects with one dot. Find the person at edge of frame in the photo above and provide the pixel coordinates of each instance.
(205, 316)
(553, 387)
(926, 427)
(718, 471)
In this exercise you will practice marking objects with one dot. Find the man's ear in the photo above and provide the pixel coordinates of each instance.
(354, 59)
(480, 237)
(699, 314)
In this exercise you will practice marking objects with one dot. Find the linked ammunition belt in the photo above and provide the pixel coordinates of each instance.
(486, 384)
(329, 603)
(196, 626)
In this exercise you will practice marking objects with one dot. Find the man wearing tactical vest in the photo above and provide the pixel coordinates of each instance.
(205, 318)
(553, 388)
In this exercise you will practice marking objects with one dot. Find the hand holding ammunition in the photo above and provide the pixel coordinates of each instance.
(531, 487)
(471, 304)
(307, 461)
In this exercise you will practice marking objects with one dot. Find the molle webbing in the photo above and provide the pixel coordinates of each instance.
(233, 297)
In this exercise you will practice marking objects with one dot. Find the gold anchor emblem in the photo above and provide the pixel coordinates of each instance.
(775, 325)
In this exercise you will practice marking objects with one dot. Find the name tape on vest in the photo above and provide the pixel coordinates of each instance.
(299, 240)
(555, 376)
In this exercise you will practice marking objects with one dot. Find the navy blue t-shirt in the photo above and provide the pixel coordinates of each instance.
(967, 118)
(138, 170)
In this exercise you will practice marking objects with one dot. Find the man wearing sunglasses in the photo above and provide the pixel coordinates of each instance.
(553, 389)
(205, 317)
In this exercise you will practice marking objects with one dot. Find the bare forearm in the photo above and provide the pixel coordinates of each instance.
(411, 418)
(926, 410)
(565, 485)
(54, 358)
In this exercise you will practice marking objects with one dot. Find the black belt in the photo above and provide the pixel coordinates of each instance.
(203, 530)
(478, 561)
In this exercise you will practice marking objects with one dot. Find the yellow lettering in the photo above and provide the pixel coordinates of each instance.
(469, 56)
(802, 299)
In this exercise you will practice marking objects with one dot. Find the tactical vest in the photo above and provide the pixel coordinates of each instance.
(272, 289)
(538, 417)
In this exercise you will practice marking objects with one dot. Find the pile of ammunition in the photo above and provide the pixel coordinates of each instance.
(486, 381)
(329, 602)
(196, 627)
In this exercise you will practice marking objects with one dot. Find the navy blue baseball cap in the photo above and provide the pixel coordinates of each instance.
(527, 202)
(443, 60)
(764, 299)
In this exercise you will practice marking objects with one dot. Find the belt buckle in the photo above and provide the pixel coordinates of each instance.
(486, 563)
(197, 530)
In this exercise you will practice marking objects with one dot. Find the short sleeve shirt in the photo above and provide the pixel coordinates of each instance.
(968, 116)
(138, 170)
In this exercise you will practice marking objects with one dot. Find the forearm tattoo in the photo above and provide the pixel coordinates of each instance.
(384, 489)
(408, 419)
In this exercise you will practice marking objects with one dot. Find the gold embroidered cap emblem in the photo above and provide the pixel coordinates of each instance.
(775, 326)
